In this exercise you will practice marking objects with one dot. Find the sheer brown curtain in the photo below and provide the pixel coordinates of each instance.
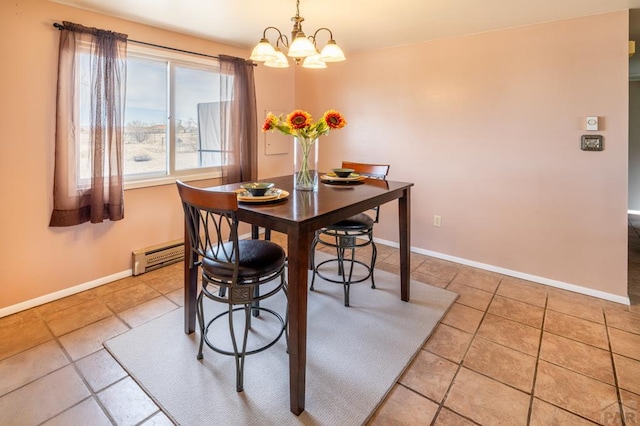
(239, 122)
(88, 175)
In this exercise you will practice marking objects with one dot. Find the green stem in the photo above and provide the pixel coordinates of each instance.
(304, 179)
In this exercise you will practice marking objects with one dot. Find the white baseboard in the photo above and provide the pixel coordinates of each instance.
(9, 310)
(541, 280)
(28, 304)
(62, 293)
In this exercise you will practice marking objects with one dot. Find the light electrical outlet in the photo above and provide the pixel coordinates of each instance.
(437, 220)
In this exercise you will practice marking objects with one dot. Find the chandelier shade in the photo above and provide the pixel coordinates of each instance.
(280, 60)
(314, 61)
(332, 52)
(301, 49)
(263, 51)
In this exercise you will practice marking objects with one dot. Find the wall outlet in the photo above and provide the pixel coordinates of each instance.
(437, 220)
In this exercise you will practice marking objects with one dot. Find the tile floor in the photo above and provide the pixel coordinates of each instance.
(507, 352)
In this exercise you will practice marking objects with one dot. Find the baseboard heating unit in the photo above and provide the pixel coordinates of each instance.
(154, 257)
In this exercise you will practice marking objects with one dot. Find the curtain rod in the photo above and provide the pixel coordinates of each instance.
(61, 27)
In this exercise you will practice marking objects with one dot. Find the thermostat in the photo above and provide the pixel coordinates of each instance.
(592, 123)
(591, 143)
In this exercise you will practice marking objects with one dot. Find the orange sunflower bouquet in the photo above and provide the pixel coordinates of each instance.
(300, 124)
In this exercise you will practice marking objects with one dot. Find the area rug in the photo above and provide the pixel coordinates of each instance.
(354, 356)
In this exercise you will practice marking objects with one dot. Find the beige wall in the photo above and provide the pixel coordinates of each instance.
(488, 127)
(634, 145)
(37, 260)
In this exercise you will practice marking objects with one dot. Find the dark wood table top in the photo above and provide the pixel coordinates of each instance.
(317, 208)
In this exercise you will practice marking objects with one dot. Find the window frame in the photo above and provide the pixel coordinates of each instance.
(172, 59)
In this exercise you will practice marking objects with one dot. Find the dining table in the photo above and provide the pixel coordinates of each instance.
(299, 215)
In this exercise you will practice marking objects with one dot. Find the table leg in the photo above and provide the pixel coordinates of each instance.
(255, 233)
(298, 242)
(404, 228)
(190, 287)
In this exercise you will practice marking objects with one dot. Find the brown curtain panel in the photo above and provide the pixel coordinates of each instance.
(238, 118)
(88, 183)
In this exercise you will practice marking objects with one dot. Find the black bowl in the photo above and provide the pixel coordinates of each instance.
(342, 173)
(257, 189)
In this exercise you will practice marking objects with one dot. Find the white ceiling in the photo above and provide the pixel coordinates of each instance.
(356, 24)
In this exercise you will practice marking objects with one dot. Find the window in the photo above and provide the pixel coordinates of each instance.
(172, 117)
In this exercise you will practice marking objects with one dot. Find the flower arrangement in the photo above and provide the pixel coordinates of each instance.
(300, 125)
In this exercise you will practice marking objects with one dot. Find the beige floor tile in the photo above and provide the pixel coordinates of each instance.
(578, 357)
(573, 392)
(623, 319)
(545, 414)
(503, 364)
(628, 373)
(429, 279)
(625, 343)
(515, 310)
(364, 254)
(66, 302)
(449, 343)
(524, 291)
(176, 296)
(576, 296)
(483, 280)
(631, 407)
(404, 407)
(88, 340)
(77, 316)
(127, 403)
(463, 318)
(129, 297)
(576, 305)
(388, 267)
(147, 311)
(439, 268)
(447, 417)
(470, 296)
(165, 281)
(27, 366)
(88, 412)
(487, 401)
(112, 287)
(576, 328)
(429, 375)
(38, 401)
(21, 331)
(100, 370)
(415, 259)
(509, 333)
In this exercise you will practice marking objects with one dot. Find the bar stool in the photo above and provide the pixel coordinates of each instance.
(348, 235)
(238, 273)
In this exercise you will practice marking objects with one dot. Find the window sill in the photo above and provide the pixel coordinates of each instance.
(169, 180)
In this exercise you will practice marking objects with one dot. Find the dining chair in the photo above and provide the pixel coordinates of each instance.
(238, 273)
(348, 235)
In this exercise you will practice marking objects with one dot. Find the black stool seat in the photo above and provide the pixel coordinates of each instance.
(257, 258)
(361, 221)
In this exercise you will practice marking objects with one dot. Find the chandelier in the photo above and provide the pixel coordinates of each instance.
(302, 49)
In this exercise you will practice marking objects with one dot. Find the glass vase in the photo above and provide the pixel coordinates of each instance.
(305, 164)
